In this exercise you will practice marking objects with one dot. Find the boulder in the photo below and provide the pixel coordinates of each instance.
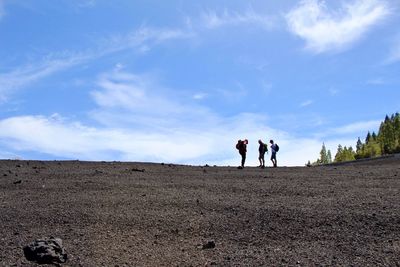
(44, 251)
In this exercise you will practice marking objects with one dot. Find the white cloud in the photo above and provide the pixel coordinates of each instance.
(306, 103)
(376, 81)
(326, 30)
(26, 75)
(142, 121)
(147, 102)
(142, 39)
(212, 19)
(357, 127)
(212, 145)
(200, 96)
(23, 76)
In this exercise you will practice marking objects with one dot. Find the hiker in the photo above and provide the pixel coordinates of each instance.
(262, 149)
(242, 147)
(274, 149)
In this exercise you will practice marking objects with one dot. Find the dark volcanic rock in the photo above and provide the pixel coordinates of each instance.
(209, 244)
(48, 251)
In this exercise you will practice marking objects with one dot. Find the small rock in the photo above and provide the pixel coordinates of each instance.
(137, 170)
(18, 182)
(209, 244)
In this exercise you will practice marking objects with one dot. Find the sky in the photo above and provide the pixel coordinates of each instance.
(181, 81)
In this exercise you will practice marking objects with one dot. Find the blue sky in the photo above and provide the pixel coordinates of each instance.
(182, 81)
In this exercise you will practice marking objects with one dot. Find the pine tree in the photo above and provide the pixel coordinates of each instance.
(368, 138)
(339, 154)
(329, 157)
(323, 155)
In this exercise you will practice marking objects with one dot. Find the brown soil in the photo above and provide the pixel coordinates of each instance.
(134, 214)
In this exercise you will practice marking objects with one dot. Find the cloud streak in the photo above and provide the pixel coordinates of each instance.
(334, 30)
(25, 75)
(28, 74)
(212, 19)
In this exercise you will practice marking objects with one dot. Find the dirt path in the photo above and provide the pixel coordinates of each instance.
(132, 214)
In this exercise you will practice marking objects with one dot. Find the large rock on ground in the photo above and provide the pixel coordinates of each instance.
(48, 251)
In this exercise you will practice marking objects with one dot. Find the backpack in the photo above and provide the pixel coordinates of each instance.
(239, 144)
(265, 147)
(276, 148)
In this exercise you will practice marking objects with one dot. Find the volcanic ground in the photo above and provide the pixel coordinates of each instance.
(138, 214)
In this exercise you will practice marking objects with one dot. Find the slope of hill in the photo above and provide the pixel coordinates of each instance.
(137, 214)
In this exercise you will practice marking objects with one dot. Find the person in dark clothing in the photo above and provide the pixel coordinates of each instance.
(273, 152)
(261, 150)
(242, 147)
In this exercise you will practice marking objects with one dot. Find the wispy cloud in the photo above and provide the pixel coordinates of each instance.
(334, 30)
(376, 81)
(213, 19)
(147, 102)
(143, 39)
(200, 96)
(28, 74)
(25, 75)
(306, 103)
(2, 11)
(357, 127)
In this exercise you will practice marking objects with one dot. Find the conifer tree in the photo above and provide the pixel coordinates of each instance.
(329, 157)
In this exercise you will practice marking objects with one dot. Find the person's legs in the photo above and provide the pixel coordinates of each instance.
(273, 159)
(243, 159)
(262, 161)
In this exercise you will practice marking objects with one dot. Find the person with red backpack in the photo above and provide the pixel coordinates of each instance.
(242, 147)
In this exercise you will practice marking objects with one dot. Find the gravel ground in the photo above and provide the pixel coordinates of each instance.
(137, 214)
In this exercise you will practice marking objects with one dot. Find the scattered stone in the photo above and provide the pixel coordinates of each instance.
(48, 251)
(18, 166)
(18, 182)
(137, 170)
(209, 244)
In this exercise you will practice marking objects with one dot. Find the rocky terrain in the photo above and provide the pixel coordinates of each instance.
(136, 214)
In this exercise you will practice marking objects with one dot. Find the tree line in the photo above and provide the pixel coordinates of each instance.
(386, 142)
